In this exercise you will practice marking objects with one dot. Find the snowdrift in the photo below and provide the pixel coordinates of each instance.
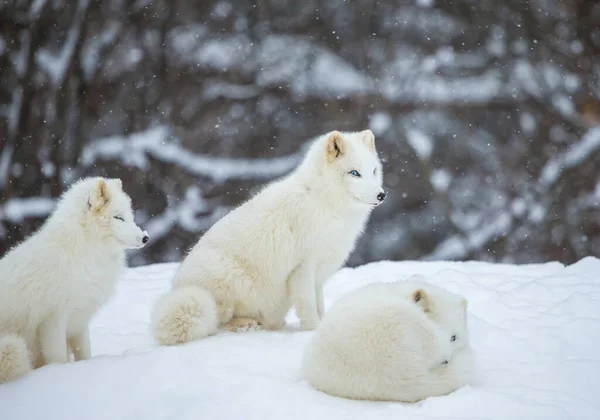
(535, 330)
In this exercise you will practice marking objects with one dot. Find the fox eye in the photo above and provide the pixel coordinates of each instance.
(119, 218)
(453, 338)
(355, 173)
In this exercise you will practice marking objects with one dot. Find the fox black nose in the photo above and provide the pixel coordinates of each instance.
(381, 196)
(145, 239)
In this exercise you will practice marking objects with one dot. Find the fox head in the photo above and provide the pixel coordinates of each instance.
(351, 159)
(109, 216)
(448, 310)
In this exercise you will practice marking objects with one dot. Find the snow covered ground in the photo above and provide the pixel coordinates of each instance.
(535, 329)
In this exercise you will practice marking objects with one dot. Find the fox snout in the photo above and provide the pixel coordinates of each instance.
(135, 239)
(144, 238)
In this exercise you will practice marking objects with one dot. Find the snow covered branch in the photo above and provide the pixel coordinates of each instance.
(56, 65)
(587, 147)
(16, 210)
(159, 144)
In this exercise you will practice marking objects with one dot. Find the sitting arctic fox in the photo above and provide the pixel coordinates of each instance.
(402, 341)
(277, 249)
(52, 284)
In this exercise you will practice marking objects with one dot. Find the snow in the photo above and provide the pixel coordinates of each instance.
(158, 142)
(534, 328)
(380, 122)
(331, 75)
(36, 7)
(420, 143)
(222, 10)
(518, 207)
(16, 210)
(223, 54)
(184, 39)
(276, 61)
(478, 233)
(217, 89)
(430, 88)
(56, 65)
(184, 213)
(440, 179)
(14, 113)
(307, 68)
(577, 153)
(495, 228)
(527, 122)
(91, 55)
(5, 159)
(496, 43)
(425, 3)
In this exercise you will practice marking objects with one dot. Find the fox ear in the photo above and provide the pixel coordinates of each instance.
(368, 139)
(118, 183)
(100, 196)
(421, 298)
(335, 146)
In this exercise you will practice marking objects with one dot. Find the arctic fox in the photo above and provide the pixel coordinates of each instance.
(53, 283)
(277, 249)
(403, 341)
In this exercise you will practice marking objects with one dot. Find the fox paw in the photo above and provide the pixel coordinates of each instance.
(243, 324)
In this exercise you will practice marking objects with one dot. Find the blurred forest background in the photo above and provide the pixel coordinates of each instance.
(486, 115)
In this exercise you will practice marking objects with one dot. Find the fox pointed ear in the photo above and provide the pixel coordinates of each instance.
(100, 196)
(368, 138)
(421, 298)
(118, 183)
(335, 146)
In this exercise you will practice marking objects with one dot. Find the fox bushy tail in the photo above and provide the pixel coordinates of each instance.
(14, 358)
(184, 314)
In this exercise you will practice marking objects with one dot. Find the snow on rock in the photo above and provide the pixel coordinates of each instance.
(534, 328)
(158, 143)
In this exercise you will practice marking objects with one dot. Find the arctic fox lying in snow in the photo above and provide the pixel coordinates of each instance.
(402, 341)
(52, 284)
(277, 249)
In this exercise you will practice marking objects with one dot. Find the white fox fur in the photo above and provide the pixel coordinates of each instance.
(277, 249)
(53, 283)
(391, 342)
